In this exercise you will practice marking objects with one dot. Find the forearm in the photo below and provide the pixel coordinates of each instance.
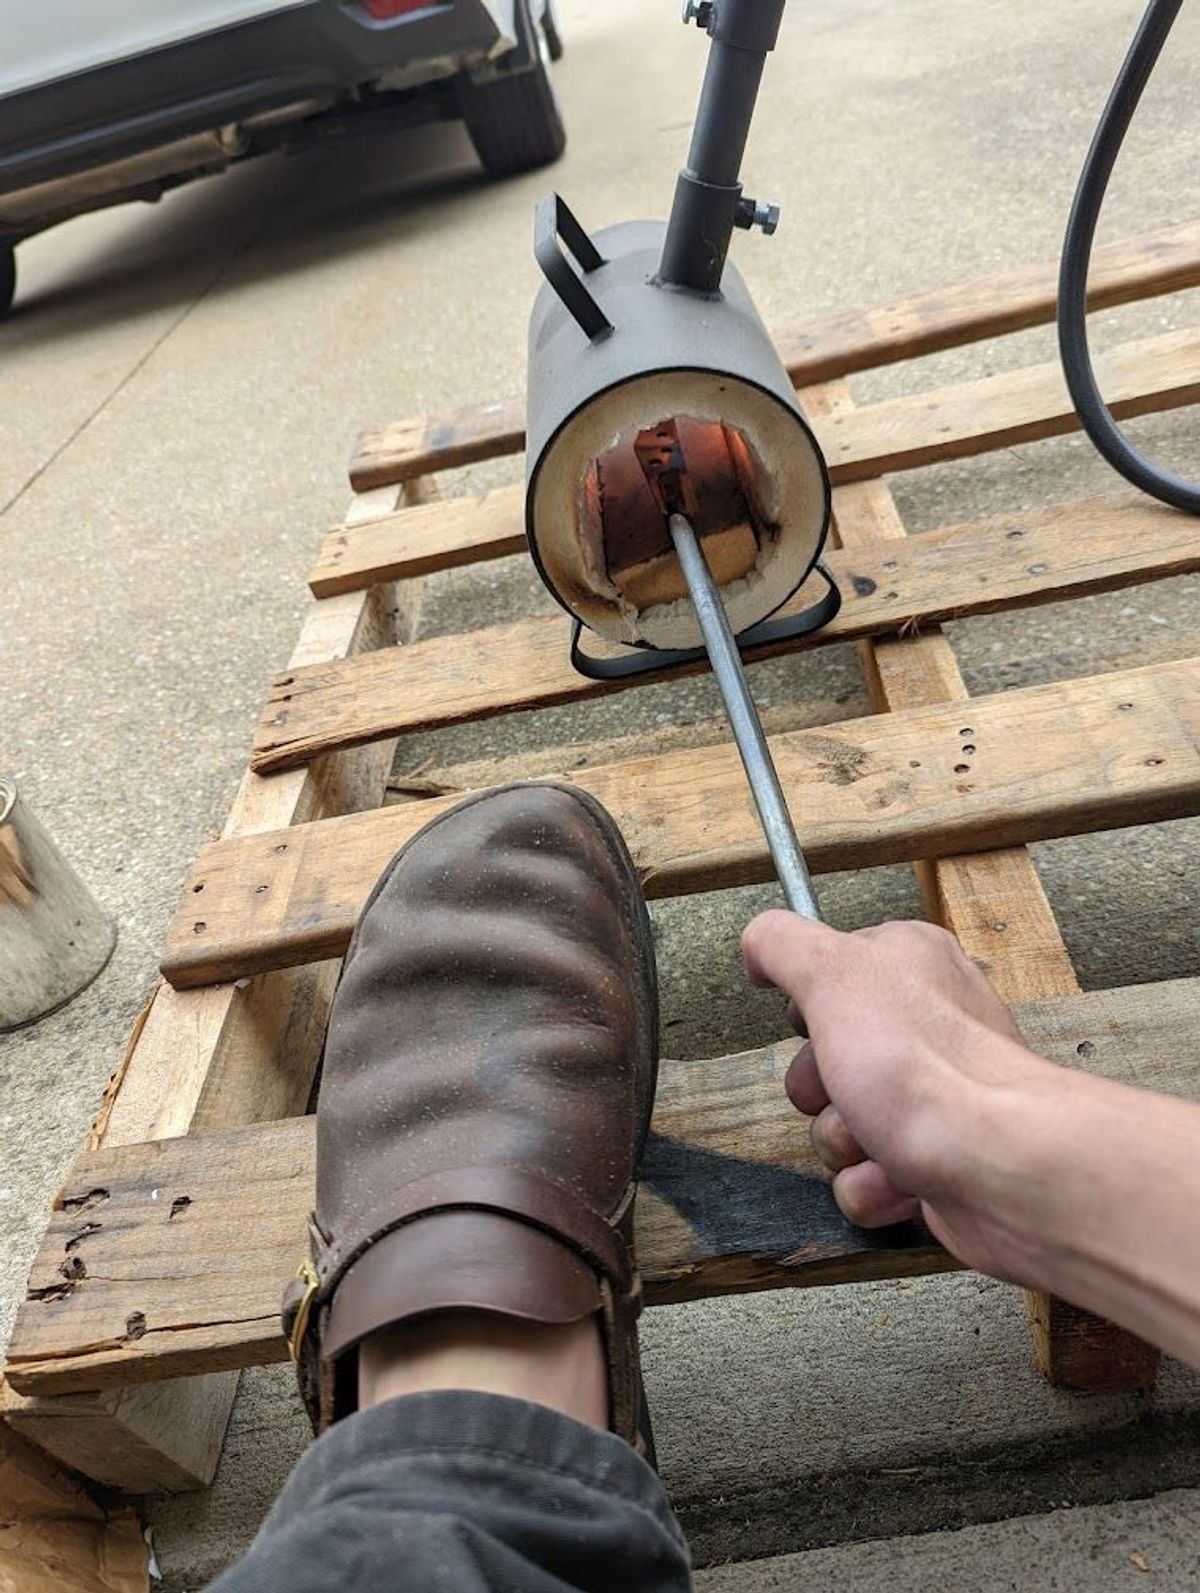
(924, 1098)
(1094, 1193)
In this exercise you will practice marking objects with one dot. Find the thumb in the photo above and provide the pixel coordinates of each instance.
(785, 950)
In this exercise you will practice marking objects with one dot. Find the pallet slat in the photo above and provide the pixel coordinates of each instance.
(170, 1258)
(954, 422)
(1051, 760)
(889, 588)
(437, 536)
(1004, 411)
(1006, 301)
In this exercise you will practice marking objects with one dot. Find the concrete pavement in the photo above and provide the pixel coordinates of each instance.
(180, 388)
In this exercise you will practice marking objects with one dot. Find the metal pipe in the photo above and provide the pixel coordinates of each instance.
(727, 101)
(708, 192)
(743, 717)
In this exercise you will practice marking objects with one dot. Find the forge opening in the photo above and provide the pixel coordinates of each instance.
(705, 469)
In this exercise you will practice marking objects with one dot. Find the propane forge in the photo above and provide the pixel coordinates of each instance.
(676, 498)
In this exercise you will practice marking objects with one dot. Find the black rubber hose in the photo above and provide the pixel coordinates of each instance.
(1093, 412)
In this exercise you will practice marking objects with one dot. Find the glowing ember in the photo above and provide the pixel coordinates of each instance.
(704, 469)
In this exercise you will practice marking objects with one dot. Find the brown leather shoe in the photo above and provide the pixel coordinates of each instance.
(487, 1084)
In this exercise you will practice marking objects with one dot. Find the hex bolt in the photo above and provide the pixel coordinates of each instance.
(699, 11)
(757, 213)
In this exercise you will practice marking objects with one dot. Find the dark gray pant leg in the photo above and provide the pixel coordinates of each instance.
(463, 1492)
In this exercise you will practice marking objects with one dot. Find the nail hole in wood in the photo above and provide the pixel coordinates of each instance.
(1085, 1048)
(968, 749)
(282, 847)
(180, 1203)
(135, 1324)
(196, 889)
(1153, 763)
(1038, 569)
(199, 927)
(962, 768)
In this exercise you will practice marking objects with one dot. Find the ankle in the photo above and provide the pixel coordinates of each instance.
(562, 1367)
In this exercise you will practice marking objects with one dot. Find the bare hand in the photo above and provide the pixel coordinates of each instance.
(925, 1100)
(907, 1041)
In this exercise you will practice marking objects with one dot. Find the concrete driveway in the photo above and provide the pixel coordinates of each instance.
(180, 389)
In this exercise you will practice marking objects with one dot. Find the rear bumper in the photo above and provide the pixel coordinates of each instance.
(318, 50)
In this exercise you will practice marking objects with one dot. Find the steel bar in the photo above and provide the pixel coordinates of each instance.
(743, 717)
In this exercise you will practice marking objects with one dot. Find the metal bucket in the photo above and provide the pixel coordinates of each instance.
(54, 939)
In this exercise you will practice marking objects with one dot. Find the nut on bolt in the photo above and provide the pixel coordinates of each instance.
(758, 213)
(698, 11)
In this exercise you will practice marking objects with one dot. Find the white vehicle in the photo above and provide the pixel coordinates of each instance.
(107, 100)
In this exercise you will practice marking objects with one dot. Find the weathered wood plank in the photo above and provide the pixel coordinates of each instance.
(207, 1059)
(994, 903)
(146, 1439)
(1006, 301)
(1010, 561)
(171, 1257)
(1051, 760)
(411, 542)
(1003, 411)
(859, 444)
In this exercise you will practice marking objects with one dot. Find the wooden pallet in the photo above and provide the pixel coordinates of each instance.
(161, 1269)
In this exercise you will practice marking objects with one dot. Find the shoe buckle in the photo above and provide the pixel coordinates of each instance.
(307, 1275)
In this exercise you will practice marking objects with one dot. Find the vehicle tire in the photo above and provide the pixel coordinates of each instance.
(554, 39)
(8, 277)
(514, 122)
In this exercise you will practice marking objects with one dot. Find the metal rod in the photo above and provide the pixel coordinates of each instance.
(743, 717)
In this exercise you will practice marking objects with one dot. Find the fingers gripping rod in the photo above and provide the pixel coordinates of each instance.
(743, 717)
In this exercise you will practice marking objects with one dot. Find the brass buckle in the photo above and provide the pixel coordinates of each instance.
(307, 1274)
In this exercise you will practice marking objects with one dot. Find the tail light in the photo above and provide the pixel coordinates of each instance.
(387, 10)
